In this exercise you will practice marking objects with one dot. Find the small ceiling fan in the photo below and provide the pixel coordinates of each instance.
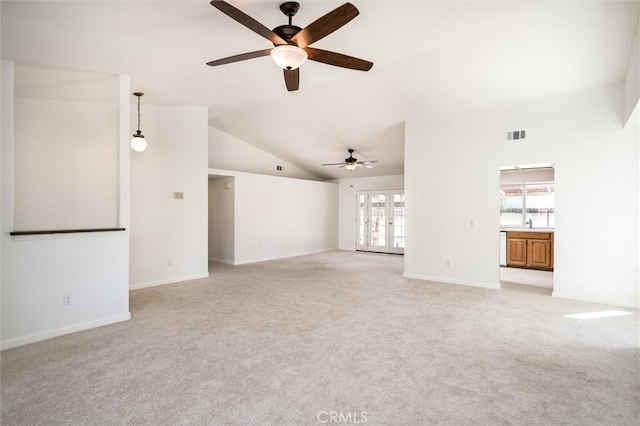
(350, 163)
(292, 42)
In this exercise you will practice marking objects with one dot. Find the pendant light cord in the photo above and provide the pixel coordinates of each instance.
(138, 94)
(139, 113)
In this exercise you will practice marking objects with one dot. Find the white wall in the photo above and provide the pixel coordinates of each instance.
(169, 236)
(37, 271)
(452, 177)
(221, 220)
(632, 80)
(227, 152)
(347, 215)
(276, 217)
(66, 164)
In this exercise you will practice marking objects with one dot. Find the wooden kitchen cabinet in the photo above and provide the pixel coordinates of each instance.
(533, 250)
(516, 251)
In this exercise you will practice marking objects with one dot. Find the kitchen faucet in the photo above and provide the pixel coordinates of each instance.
(530, 223)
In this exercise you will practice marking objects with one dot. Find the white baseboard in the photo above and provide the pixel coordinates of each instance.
(214, 260)
(603, 301)
(167, 281)
(492, 286)
(284, 256)
(45, 335)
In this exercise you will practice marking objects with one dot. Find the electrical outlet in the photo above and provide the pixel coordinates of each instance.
(447, 262)
(169, 262)
(178, 195)
(66, 300)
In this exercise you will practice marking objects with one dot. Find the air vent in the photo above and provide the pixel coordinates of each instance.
(516, 135)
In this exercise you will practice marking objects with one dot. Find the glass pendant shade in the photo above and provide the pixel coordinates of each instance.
(288, 57)
(138, 143)
(351, 166)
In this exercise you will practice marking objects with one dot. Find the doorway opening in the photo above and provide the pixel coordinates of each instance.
(380, 221)
(221, 222)
(527, 224)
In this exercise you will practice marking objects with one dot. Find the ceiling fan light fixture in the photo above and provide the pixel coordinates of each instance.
(288, 57)
(351, 166)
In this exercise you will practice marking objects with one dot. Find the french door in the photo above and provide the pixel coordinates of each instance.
(380, 221)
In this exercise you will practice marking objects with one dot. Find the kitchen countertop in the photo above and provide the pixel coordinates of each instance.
(549, 230)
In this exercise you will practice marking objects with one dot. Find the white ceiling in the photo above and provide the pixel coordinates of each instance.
(449, 55)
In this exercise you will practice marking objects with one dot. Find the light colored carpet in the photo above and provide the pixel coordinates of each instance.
(290, 341)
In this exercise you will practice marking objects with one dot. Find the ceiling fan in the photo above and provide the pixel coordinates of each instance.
(351, 163)
(292, 42)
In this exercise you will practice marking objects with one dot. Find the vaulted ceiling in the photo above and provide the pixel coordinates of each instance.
(446, 55)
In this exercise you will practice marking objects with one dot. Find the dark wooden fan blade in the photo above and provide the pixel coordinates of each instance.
(325, 25)
(247, 21)
(338, 59)
(292, 79)
(241, 57)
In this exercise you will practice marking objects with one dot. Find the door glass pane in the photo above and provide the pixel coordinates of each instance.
(362, 220)
(511, 198)
(378, 219)
(398, 220)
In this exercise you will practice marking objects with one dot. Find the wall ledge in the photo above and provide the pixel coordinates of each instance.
(65, 231)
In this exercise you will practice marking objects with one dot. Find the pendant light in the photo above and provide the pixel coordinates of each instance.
(138, 143)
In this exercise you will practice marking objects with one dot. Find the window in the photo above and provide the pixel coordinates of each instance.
(398, 220)
(527, 205)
